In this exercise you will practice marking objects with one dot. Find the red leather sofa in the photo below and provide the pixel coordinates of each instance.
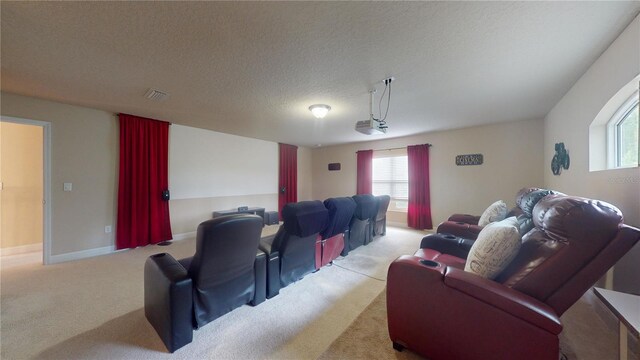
(466, 226)
(440, 311)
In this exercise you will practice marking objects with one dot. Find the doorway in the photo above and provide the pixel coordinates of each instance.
(24, 192)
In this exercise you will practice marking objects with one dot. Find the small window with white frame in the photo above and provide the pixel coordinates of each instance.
(623, 132)
(391, 177)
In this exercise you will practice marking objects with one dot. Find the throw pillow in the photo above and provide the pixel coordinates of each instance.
(495, 212)
(497, 245)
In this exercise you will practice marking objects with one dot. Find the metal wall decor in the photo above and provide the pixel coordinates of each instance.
(560, 159)
(469, 159)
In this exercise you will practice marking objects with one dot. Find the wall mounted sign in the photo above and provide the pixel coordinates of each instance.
(560, 159)
(469, 159)
(334, 166)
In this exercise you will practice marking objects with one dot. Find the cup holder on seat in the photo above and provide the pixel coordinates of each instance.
(449, 236)
(429, 263)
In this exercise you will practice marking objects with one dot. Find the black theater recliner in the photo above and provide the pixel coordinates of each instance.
(380, 223)
(361, 226)
(291, 251)
(334, 237)
(227, 271)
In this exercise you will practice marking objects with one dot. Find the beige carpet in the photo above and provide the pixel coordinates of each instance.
(93, 308)
(586, 334)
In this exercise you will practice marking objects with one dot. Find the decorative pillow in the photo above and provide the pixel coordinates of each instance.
(497, 245)
(495, 212)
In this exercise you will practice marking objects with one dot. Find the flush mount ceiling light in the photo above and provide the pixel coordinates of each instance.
(319, 110)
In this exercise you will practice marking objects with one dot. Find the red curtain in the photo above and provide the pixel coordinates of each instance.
(419, 213)
(365, 172)
(288, 176)
(143, 216)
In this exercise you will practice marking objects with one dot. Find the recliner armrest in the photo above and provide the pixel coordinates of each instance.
(430, 305)
(273, 265)
(463, 230)
(514, 302)
(260, 278)
(465, 218)
(447, 244)
(168, 300)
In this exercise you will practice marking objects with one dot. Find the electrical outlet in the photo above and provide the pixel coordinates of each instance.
(107, 229)
(68, 186)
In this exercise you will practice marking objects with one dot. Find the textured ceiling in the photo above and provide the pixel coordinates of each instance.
(253, 68)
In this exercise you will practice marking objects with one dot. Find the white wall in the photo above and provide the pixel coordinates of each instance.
(204, 163)
(85, 153)
(569, 122)
(512, 160)
(211, 171)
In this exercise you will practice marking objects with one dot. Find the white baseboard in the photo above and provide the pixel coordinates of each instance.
(184, 236)
(83, 254)
(22, 249)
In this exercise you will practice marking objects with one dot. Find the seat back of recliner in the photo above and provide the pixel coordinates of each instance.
(222, 268)
(383, 206)
(295, 240)
(360, 227)
(340, 211)
(574, 242)
(380, 223)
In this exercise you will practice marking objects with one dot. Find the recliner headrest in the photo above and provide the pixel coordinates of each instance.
(304, 218)
(367, 206)
(340, 213)
(529, 200)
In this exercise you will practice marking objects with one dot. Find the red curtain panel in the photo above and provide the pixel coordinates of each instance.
(365, 172)
(288, 176)
(143, 216)
(419, 212)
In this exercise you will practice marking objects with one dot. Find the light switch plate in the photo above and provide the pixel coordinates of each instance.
(68, 186)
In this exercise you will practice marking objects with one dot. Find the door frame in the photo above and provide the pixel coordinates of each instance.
(46, 172)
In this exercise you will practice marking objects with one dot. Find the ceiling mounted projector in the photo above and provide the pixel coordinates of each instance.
(374, 126)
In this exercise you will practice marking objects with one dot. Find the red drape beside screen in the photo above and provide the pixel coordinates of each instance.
(419, 212)
(365, 172)
(288, 176)
(143, 217)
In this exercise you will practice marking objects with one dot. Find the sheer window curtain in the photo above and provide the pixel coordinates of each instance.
(143, 216)
(288, 176)
(364, 172)
(419, 211)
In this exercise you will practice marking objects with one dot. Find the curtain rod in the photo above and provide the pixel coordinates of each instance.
(170, 123)
(397, 148)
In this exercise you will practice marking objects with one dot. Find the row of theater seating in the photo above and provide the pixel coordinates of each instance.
(233, 266)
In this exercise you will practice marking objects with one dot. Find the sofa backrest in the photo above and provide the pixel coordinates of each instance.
(383, 205)
(573, 243)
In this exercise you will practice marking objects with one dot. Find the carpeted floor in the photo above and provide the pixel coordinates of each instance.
(93, 308)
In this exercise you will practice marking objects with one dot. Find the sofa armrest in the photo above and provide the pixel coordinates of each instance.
(463, 230)
(465, 218)
(431, 312)
(447, 244)
(168, 300)
(273, 265)
(504, 298)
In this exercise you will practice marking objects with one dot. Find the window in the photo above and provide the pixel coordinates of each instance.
(391, 177)
(613, 133)
(623, 135)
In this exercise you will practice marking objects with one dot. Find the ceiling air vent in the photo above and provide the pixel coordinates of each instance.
(156, 95)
